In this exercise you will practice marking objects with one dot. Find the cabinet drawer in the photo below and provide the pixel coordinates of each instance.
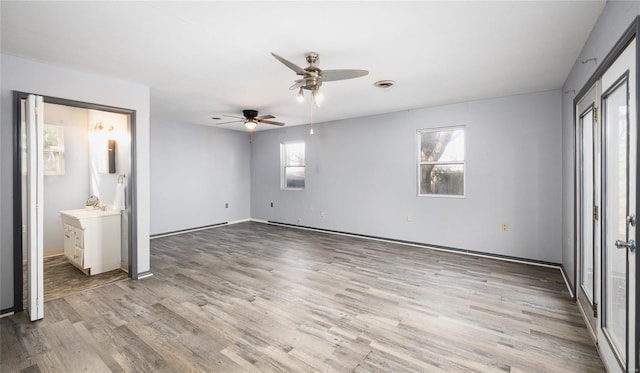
(79, 236)
(78, 256)
(69, 241)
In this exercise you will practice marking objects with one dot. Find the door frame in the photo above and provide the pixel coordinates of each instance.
(633, 31)
(18, 283)
(591, 305)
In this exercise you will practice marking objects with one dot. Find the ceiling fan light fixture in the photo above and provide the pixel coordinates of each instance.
(300, 97)
(316, 96)
(312, 76)
(250, 124)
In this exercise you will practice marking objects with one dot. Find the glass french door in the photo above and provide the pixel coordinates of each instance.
(588, 201)
(606, 165)
(616, 336)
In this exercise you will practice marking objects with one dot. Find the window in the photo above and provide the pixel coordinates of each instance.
(441, 161)
(53, 149)
(292, 165)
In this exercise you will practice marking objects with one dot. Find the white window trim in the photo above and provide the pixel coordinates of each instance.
(283, 181)
(463, 163)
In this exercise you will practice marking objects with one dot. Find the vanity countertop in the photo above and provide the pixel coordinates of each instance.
(88, 214)
(83, 218)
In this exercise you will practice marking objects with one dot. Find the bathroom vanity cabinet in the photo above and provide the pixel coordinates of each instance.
(92, 239)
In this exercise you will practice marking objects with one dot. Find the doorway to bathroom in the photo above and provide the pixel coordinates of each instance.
(73, 168)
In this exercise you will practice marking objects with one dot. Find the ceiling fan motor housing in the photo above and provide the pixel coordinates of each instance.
(250, 114)
(312, 58)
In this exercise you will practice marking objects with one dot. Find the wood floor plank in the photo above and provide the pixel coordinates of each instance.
(253, 297)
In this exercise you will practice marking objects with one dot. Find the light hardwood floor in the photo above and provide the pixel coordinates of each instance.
(254, 297)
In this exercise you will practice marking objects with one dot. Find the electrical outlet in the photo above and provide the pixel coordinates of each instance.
(226, 205)
(409, 217)
(322, 214)
(271, 204)
(505, 227)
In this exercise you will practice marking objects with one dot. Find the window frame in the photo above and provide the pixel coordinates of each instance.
(419, 133)
(284, 166)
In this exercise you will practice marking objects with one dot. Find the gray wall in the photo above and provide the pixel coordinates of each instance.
(29, 76)
(613, 21)
(361, 173)
(195, 170)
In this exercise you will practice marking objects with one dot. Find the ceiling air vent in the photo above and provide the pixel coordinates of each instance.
(384, 83)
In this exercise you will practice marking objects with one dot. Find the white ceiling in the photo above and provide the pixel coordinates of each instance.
(205, 59)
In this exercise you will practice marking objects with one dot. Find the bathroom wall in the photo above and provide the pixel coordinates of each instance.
(68, 191)
(116, 127)
(104, 182)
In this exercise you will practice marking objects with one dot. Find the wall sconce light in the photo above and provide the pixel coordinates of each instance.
(100, 127)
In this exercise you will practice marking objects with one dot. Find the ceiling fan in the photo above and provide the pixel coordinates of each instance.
(313, 76)
(251, 119)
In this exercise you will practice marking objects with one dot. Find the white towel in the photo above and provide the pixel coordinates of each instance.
(118, 200)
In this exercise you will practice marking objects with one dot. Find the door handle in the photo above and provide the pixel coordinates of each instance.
(631, 220)
(626, 245)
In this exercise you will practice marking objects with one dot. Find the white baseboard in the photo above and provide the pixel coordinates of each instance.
(54, 252)
(566, 282)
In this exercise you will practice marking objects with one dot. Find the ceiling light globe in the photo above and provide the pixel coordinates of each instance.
(316, 96)
(250, 124)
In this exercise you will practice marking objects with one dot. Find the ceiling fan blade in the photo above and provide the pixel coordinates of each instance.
(299, 70)
(299, 83)
(261, 117)
(233, 121)
(271, 122)
(342, 74)
(233, 116)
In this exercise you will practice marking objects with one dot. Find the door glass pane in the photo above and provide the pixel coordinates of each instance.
(587, 182)
(615, 122)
